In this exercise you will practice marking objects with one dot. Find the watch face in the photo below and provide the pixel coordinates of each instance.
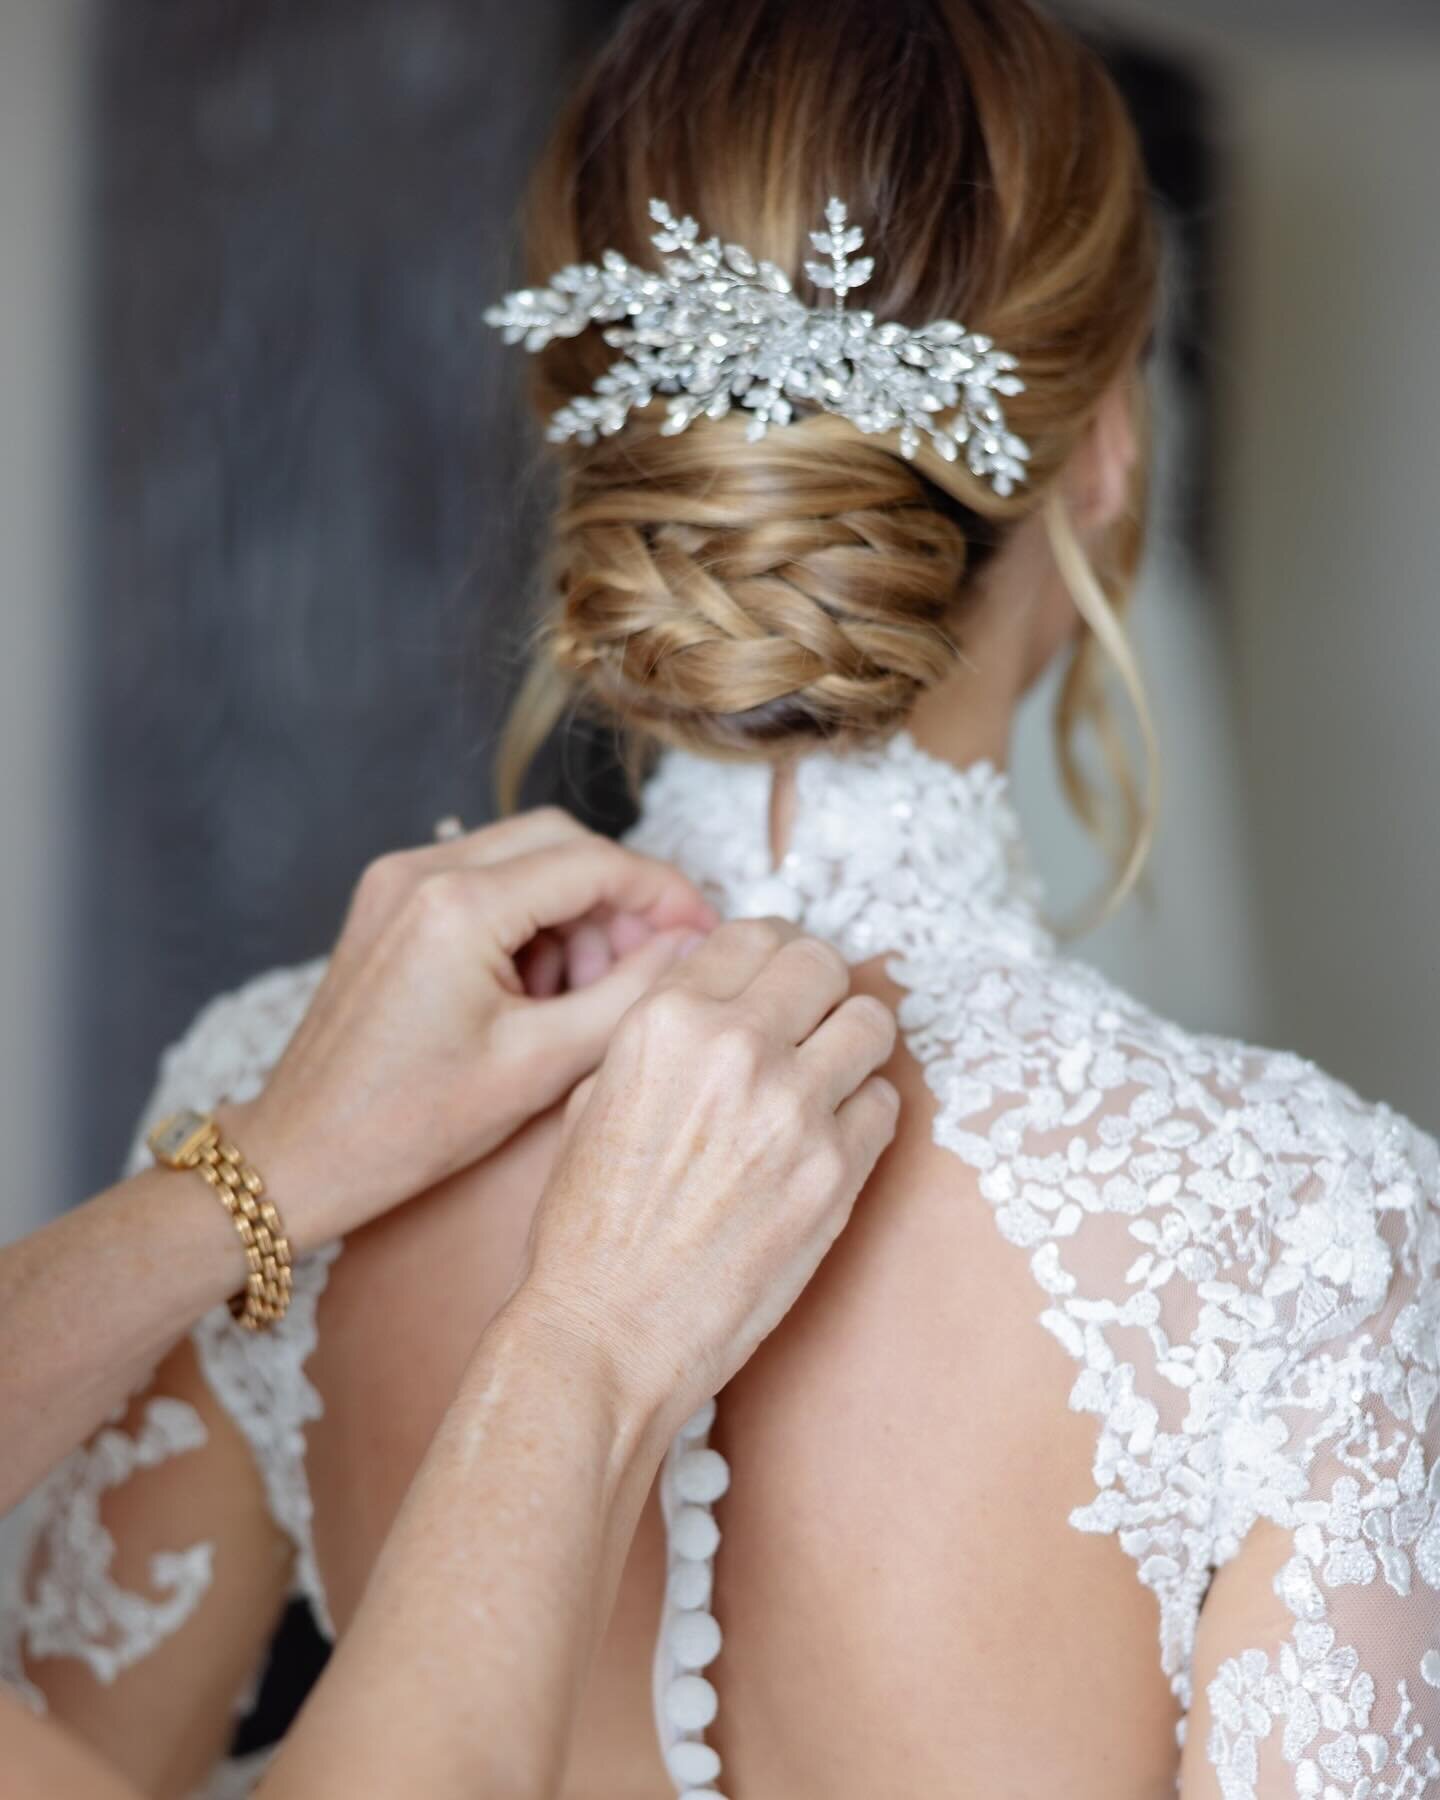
(174, 1136)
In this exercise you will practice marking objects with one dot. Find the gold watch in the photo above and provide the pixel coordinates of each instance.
(193, 1140)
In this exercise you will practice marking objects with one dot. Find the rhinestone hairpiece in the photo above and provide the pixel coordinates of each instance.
(715, 328)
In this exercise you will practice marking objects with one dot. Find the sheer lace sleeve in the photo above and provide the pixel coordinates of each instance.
(1241, 1257)
(1244, 1260)
(1319, 1651)
(61, 1598)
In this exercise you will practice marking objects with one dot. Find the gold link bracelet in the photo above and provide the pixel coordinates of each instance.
(191, 1140)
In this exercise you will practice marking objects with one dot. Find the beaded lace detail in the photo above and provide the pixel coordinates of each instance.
(1242, 1258)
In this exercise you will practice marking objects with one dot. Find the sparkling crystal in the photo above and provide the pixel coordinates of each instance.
(722, 329)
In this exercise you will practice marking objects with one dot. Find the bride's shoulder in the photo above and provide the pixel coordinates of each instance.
(230, 1046)
(1197, 1160)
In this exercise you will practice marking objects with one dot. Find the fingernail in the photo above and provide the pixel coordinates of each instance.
(689, 944)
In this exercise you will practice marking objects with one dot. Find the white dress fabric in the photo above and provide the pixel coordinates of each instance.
(1242, 1258)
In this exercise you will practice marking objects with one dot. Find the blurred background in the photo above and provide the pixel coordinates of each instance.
(269, 510)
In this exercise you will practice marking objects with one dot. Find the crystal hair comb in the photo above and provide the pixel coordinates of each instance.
(715, 328)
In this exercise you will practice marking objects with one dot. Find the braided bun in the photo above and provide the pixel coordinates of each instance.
(744, 598)
(728, 596)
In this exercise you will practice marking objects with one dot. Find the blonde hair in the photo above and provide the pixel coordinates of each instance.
(745, 599)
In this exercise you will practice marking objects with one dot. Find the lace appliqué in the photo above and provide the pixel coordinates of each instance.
(1271, 1243)
(1376, 1528)
(72, 1606)
(260, 1380)
(258, 1377)
(75, 1608)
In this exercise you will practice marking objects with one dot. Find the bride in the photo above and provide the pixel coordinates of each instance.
(1100, 1459)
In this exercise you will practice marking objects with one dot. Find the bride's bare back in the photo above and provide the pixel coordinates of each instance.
(906, 1608)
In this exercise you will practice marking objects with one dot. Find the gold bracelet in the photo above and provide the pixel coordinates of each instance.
(191, 1140)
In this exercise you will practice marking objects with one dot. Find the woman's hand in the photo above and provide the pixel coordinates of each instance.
(701, 1178)
(711, 1164)
(426, 1046)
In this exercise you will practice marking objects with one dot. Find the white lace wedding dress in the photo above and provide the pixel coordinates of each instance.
(1270, 1242)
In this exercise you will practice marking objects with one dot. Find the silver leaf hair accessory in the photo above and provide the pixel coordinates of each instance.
(715, 328)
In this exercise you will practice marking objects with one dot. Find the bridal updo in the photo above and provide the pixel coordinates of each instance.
(738, 598)
(732, 596)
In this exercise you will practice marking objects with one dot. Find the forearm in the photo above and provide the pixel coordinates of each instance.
(463, 1667)
(92, 1302)
(42, 1758)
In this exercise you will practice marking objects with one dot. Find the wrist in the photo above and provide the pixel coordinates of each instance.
(295, 1183)
(591, 1356)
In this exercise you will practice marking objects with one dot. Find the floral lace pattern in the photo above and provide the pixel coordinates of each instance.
(258, 1377)
(260, 1380)
(1242, 1258)
(71, 1606)
(1270, 1242)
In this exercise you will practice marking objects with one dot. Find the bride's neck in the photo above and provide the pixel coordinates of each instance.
(968, 718)
(1018, 620)
(965, 720)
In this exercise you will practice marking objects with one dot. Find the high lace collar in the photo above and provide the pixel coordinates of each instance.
(885, 838)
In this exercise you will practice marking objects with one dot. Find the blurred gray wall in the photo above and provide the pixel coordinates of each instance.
(43, 149)
(314, 528)
(1335, 549)
(1327, 376)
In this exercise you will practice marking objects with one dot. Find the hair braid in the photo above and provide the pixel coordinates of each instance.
(727, 617)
